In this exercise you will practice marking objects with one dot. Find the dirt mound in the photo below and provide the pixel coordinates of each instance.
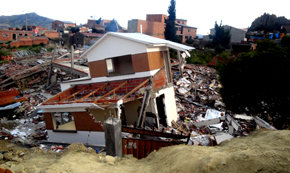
(76, 147)
(262, 151)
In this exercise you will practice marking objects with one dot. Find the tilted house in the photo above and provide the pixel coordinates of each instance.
(125, 69)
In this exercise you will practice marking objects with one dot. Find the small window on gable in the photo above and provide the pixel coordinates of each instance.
(121, 65)
(110, 66)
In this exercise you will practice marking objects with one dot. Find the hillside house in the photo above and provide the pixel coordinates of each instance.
(84, 38)
(237, 35)
(130, 76)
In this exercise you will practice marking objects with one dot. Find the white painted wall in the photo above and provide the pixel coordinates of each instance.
(170, 104)
(112, 46)
(66, 85)
(156, 49)
(85, 137)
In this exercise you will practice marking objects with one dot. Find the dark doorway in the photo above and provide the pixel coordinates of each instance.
(161, 110)
(14, 36)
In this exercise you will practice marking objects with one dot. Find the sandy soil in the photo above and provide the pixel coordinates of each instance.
(262, 151)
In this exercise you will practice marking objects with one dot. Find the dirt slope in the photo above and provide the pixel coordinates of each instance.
(262, 151)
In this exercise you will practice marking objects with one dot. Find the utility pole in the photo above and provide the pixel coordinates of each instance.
(51, 65)
(72, 60)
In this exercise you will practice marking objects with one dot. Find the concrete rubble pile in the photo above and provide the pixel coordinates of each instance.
(27, 73)
(197, 90)
(202, 113)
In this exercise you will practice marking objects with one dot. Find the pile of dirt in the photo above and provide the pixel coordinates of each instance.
(261, 151)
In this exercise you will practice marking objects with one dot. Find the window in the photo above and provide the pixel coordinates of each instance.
(121, 65)
(20, 35)
(63, 121)
(110, 66)
(25, 34)
(188, 30)
(14, 36)
(4, 35)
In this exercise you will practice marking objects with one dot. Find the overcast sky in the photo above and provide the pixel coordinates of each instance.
(199, 13)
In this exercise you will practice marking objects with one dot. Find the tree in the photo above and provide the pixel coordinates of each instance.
(221, 38)
(170, 29)
(94, 30)
(75, 29)
(257, 83)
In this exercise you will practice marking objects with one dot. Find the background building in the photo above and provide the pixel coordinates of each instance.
(154, 25)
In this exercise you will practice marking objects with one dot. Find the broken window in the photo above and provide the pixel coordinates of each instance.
(121, 65)
(64, 121)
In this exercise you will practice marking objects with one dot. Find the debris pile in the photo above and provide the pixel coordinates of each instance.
(23, 86)
(196, 91)
(25, 131)
(202, 113)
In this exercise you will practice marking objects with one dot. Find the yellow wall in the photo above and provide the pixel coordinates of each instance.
(102, 115)
(131, 111)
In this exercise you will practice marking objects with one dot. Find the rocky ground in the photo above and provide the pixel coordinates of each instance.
(261, 151)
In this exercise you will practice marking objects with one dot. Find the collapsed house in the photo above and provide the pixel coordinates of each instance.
(129, 78)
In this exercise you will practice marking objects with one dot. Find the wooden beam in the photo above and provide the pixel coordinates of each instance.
(135, 89)
(112, 91)
(91, 93)
(66, 98)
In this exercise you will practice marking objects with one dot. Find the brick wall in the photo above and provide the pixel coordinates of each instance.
(156, 18)
(29, 41)
(51, 34)
(189, 32)
(159, 79)
(7, 35)
(84, 122)
(57, 24)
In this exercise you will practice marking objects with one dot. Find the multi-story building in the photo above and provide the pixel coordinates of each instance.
(154, 25)
(61, 26)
